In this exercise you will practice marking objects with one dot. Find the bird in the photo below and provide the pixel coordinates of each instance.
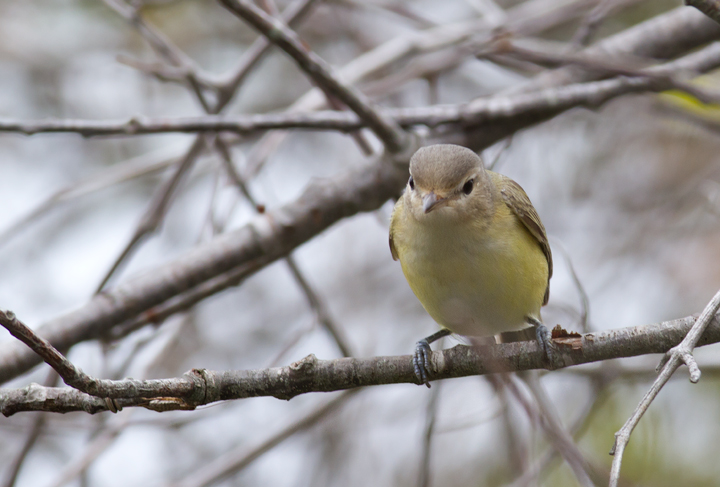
(472, 248)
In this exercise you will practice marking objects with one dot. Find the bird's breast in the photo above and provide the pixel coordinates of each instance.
(473, 281)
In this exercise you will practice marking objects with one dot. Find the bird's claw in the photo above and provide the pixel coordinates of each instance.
(544, 338)
(421, 361)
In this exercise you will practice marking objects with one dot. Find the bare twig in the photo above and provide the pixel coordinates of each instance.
(240, 457)
(386, 129)
(544, 416)
(164, 48)
(608, 68)
(157, 209)
(496, 108)
(76, 378)
(132, 168)
(295, 13)
(593, 20)
(38, 423)
(321, 313)
(424, 477)
(155, 212)
(582, 294)
(673, 358)
(664, 36)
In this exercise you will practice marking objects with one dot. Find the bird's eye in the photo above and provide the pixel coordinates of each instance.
(411, 183)
(468, 187)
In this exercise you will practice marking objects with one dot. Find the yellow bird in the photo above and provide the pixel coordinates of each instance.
(472, 247)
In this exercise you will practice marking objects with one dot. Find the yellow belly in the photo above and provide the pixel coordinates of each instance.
(476, 283)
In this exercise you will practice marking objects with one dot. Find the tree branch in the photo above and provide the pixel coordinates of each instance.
(198, 387)
(677, 355)
(276, 233)
(320, 72)
(266, 238)
(506, 108)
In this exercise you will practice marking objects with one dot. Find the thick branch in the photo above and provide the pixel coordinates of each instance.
(199, 387)
(266, 238)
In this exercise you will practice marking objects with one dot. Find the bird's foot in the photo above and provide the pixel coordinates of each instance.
(421, 361)
(544, 338)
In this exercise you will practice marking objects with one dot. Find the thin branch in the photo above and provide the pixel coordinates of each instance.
(582, 294)
(157, 209)
(318, 307)
(295, 13)
(164, 48)
(495, 108)
(592, 21)
(38, 424)
(92, 451)
(199, 387)
(78, 379)
(135, 167)
(663, 37)
(425, 472)
(155, 212)
(607, 68)
(542, 414)
(673, 358)
(320, 72)
(237, 459)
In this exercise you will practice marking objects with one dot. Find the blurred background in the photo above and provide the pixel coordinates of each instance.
(629, 194)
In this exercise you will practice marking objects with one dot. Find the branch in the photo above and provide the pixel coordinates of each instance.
(199, 387)
(673, 358)
(320, 72)
(273, 235)
(270, 236)
(238, 458)
(663, 37)
(266, 238)
(506, 108)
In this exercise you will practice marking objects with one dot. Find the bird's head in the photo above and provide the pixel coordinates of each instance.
(447, 183)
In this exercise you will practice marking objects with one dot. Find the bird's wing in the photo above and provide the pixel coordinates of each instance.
(516, 199)
(392, 248)
(393, 226)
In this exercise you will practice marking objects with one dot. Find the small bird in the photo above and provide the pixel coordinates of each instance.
(472, 247)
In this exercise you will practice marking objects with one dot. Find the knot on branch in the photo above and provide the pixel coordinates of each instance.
(305, 366)
(205, 388)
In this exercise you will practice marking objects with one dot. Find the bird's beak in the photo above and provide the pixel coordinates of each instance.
(430, 201)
